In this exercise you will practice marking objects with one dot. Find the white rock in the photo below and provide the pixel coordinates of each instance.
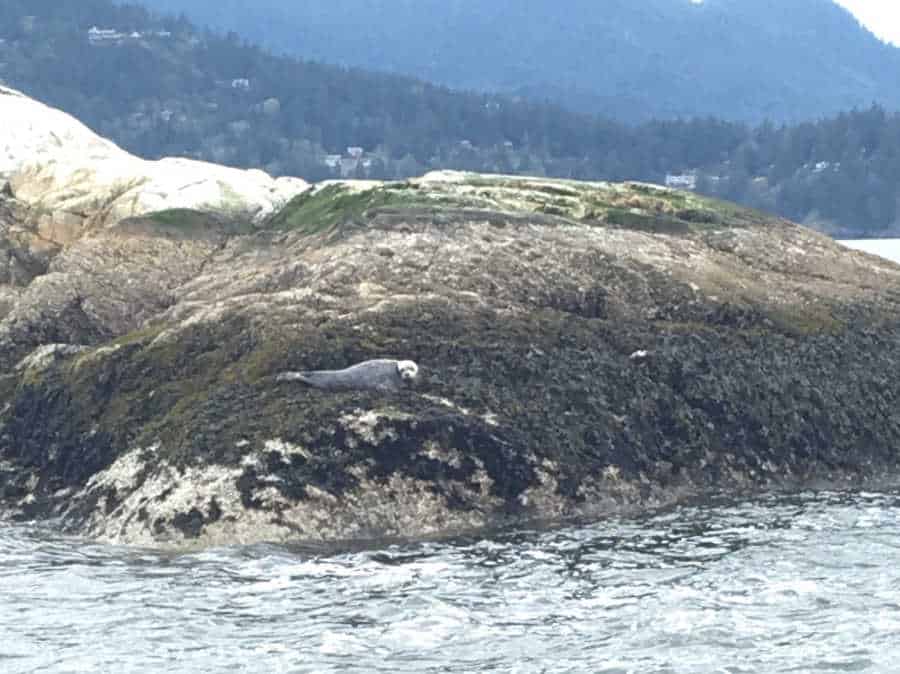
(55, 162)
(43, 356)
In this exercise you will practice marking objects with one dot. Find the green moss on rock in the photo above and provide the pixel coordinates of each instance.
(317, 211)
(185, 222)
(632, 205)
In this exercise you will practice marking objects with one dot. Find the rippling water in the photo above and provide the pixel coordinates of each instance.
(802, 584)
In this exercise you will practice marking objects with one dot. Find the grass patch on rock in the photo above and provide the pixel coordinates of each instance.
(184, 222)
(637, 206)
(646, 222)
(318, 211)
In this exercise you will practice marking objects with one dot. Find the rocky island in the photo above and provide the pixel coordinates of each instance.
(583, 349)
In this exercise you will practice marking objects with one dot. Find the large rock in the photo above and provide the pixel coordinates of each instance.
(585, 349)
(78, 180)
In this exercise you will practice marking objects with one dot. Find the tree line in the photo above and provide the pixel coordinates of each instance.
(168, 88)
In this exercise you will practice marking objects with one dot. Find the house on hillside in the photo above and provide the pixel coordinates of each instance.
(111, 37)
(355, 163)
(682, 181)
(104, 36)
(349, 166)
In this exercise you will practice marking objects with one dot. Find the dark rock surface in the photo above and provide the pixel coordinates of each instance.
(584, 348)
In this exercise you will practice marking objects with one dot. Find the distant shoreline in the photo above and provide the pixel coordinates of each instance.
(886, 248)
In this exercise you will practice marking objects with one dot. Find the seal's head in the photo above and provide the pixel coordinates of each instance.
(408, 371)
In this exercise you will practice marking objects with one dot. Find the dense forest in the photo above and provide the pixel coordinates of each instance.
(158, 86)
(632, 60)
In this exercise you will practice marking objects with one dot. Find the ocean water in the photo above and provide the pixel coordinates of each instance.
(886, 248)
(809, 583)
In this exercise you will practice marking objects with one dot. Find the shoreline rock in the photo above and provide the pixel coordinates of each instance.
(585, 349)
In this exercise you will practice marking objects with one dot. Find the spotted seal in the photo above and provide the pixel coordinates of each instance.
(382, 374)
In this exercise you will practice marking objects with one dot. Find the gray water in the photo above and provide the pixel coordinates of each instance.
(886, 248)
(803, 584)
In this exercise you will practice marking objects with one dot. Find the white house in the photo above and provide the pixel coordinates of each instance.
(682, 181)
(104, 35)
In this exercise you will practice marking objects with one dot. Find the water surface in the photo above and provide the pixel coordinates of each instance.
(801, 584)
(886, 248)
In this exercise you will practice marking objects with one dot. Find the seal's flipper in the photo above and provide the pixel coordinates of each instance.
(317, 379)
(314, 379)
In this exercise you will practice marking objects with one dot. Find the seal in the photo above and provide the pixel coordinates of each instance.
(382, 374)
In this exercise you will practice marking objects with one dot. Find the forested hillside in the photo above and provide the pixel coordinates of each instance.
(158, 86)
(750, 60)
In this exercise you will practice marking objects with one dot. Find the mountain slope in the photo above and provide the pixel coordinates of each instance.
(736, 59)
(161, 87)
(173, 90)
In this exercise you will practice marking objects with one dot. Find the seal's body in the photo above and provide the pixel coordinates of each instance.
(382, 374)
